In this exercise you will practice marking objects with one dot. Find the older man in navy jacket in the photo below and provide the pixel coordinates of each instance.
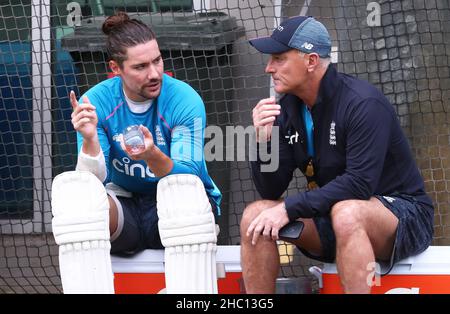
(365, 201)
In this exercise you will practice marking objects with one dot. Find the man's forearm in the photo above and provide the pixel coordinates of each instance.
(91, 146)
(159, 163)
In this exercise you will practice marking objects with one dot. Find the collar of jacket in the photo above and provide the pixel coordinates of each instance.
(328, 87)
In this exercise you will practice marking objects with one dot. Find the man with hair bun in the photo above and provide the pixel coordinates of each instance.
(140, 133)
(171, 117)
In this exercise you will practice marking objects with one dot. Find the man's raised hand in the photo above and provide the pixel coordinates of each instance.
(264, 115)
(84, 117)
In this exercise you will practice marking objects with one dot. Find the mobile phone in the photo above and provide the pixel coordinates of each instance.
(291, 231)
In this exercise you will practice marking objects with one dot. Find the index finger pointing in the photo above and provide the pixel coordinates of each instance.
(73, 100)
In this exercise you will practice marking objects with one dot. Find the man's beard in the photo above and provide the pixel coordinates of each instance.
(145, 93)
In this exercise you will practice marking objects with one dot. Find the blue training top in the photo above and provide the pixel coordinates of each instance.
(177, 121)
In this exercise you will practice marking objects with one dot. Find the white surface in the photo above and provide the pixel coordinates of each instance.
(434, 261)
(152, 261)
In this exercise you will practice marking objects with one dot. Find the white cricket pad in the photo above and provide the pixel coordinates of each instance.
(188, 232)
(80, 224)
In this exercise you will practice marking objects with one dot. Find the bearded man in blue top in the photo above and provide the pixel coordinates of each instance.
(171, 116)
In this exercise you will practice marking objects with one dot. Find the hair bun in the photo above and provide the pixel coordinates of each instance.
(115, 21)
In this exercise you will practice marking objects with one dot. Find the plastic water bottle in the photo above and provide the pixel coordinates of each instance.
(134, 139)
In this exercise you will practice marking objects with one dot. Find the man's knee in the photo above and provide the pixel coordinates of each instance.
(346, 217)
(253, 210)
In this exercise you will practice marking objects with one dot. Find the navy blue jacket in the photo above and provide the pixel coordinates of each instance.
(360, 149)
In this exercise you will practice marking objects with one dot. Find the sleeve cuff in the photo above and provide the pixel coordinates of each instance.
(180, 168)
(291, 210)
(95, 165)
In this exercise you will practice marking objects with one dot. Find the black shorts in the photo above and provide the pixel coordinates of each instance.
(137, 228)
(137, 225)
(414, 231)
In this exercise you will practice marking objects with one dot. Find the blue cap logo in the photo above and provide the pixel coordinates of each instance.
(303, 33)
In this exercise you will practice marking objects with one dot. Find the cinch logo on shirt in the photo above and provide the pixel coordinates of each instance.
(131, 169)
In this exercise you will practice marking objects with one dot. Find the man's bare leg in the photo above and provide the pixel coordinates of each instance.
(113, 215)
(364, 230)
(261, 262)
